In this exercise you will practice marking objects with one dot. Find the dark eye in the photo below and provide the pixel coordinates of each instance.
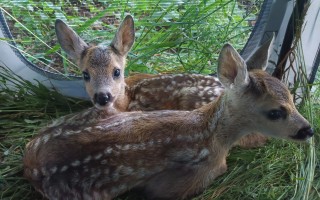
(116, 73)
(86, 76)
(275, 114)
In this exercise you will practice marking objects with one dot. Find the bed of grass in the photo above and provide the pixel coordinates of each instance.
(170, 38)
(280, 170)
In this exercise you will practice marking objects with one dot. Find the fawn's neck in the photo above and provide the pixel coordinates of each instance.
(122, 101)
(225, 127)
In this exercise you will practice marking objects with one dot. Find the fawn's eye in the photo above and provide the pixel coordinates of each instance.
(276, 114)
(116, 73)
(86, 76)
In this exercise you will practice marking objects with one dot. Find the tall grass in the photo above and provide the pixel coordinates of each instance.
(172, 36)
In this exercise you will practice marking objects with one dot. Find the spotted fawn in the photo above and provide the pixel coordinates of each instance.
(165, 154)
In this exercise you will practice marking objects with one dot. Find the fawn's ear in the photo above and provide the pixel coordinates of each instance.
(259, 58)
(69, 40)
(124, 38)
(232, 69)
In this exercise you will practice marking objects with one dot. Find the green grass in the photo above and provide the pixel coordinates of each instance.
(171, 37)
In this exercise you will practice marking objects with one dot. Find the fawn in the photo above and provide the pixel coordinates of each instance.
(166, 154)
(103, 74)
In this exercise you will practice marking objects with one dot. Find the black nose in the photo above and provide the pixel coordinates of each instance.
(102, 98)
(304, 133)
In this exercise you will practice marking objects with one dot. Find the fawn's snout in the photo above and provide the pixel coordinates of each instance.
(103, 98)
(304, 133)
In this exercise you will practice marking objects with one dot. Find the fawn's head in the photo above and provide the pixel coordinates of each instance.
(259, 100)
(102, 67)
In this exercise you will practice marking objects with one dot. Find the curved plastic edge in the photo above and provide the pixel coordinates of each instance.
(273, 18)
(12, 58)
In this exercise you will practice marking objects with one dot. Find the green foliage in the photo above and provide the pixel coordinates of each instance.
(171, 36)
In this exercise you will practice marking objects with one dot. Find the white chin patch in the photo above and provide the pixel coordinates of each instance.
(106, 107)
(309, 140)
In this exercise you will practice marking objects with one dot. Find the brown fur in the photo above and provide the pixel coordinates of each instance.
(166, 154)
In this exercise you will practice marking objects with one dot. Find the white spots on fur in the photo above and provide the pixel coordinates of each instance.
(182, 155)
(75, 163)
(57, 122)
(126, 119)
(134, 147)
(29, 145)
(95, 173)
(45, 138)
(115, 176)
(85, 169)
(188, 138)
(44, 171)
(197, 136)
(64, 168)
(87, 159)
(67, 133)
(126, 170)
(204, 153)
(98, 156)
(141, 172)
(57, 132)
(36, 143)
(124, 147)
(99, 128)
(150, 143)
(108, 151)
(35, 172)
(142, 146)
(88, 129)
(53, 169)
(167, 140)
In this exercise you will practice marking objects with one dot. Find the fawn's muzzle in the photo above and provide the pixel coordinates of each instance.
(304, 133)
(102, 98)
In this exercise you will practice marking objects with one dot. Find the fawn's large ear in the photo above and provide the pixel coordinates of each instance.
(69, 40)
(259, 58)
(232, 69)
(124, 38)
